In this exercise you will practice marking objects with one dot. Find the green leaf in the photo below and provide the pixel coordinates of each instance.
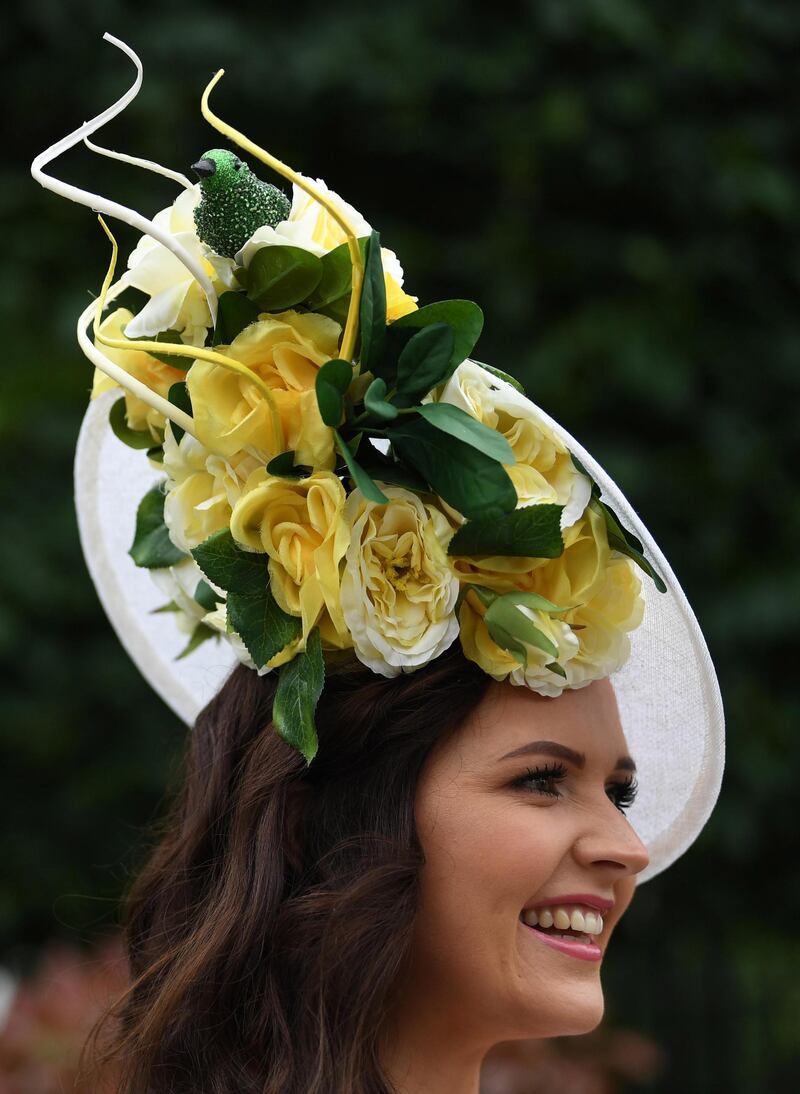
(624, 541)
(284, 467)
(373, 305)
(169, 338)
(469, 480)
(253, 612)
(557, 669)
(133, 438)
(331, 384)
(465, 317)
(509, 379)
(375, 402)
(200, 634)
(280, 277)
(425, 360)
(152, 548)
(300, 683)
(171, 606)
(156, 453)
(455, 421)
(234, 312)
(538, 603)
(206, 597)
(178, 395)
(625, 549)
(533, 531)
(332, 295)
(505, 615)
(359, 476)
(380, 466)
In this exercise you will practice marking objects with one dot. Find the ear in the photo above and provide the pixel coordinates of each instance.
(294, 824)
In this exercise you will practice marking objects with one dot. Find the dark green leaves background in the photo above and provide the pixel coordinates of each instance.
(615, 183)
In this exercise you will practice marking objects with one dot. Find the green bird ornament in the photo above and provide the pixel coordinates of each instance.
(233, 202)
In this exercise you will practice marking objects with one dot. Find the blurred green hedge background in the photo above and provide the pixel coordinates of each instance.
(616, 183)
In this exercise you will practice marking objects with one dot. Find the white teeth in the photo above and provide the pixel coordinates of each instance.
(565, 919)
(577, 920)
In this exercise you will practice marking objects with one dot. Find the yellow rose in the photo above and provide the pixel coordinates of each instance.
(286, 351)
(544, 471)
(398, 592)
(299, 524)
(604, 585)
(202, 489)
(158, 376)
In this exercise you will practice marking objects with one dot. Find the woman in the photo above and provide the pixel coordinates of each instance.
(359, 924)
(402, 837)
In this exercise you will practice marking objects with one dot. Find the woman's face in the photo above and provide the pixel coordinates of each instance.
(496, 842)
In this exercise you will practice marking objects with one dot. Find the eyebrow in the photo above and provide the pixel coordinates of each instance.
(553, 748)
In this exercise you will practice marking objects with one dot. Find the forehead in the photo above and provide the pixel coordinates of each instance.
(584, 719)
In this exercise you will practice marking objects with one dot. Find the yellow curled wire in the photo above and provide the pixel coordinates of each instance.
(351, 326)
(176, 350)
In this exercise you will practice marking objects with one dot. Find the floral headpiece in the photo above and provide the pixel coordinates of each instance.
(339, 474)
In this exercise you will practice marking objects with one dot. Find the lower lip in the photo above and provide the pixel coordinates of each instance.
(585, 951)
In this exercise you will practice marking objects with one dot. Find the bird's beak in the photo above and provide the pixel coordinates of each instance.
(204, 168)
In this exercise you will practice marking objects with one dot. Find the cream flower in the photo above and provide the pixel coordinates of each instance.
(143, 366)
(202, 489)
(310, 226)
(286, 351)
(544, 471)
(604, 586)
(178, 583)
(398, 593)
(177, 302)
(218, 621)
(299, 524)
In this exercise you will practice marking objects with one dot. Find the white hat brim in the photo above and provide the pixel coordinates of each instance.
(667, 691)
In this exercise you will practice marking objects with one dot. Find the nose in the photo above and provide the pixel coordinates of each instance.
(611, 840)
(204, 167)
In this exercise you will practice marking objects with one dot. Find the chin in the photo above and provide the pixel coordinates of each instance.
(582, 1014)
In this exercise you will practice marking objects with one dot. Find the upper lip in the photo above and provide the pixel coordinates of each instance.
(598, 902)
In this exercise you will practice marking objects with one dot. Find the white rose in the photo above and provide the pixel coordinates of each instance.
(202, 489)
(177, 302)
(398, 594)
(544, 471)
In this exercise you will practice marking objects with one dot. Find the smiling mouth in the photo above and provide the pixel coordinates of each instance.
(584, 933)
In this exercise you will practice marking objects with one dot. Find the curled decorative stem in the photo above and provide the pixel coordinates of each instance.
(351, 325)
(175, 350)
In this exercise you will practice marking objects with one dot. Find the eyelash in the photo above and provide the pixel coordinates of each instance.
(625, 791)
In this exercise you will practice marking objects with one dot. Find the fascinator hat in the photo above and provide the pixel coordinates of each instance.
(286, 456)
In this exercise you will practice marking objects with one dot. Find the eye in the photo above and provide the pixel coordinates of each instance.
(237, 163)
(542, 778)
(623, 794)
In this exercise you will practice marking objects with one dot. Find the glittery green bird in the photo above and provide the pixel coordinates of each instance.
(233, 202)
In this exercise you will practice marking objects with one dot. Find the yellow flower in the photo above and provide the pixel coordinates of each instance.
(286, 351)
(604, 586)
(158, 377)
(544, 471)
(202, 489)
(398, 592)
(299, 524)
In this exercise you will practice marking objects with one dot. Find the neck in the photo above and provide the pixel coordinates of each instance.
(425, 1053)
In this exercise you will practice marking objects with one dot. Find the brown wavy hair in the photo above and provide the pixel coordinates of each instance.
(274, 918)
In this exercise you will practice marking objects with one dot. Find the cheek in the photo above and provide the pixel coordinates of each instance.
(485, 857)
